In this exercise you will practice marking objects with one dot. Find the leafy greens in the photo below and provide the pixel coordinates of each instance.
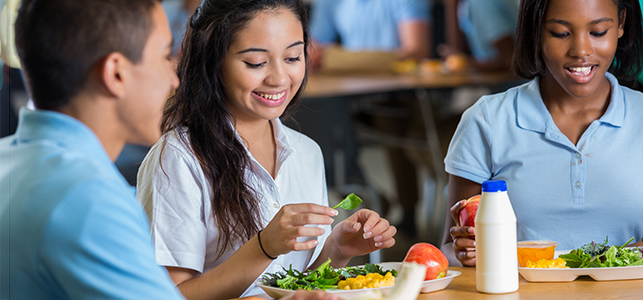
(350, 202)
(324, 277)
(594, 255)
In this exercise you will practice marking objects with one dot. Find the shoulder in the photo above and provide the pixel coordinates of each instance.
(300, 141)
(170, 159)
(92, 206)
(633, 95)
(499, 103)
(172, 146)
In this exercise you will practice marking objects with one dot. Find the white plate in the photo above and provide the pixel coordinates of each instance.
(427, 286)
(570, 274)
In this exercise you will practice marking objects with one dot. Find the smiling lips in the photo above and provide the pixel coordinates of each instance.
(272, 100)
(273, 97)
(581, 74)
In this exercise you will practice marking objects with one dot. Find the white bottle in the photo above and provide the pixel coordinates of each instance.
(496, 253)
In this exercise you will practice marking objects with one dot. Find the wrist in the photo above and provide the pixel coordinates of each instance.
(262, 247)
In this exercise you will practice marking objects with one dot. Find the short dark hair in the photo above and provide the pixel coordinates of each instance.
(528, 61)
(58, 42)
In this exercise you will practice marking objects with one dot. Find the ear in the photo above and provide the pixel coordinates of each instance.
(621, 23)
(113, 68)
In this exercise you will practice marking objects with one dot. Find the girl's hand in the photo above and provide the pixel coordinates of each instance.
(362, 233)
(463, 246)
(280, 235)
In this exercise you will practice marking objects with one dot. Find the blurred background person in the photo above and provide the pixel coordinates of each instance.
(399, 26)
(483, 28)
(402, 27)
(178, 14)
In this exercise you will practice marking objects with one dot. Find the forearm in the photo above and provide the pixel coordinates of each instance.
(231, 278)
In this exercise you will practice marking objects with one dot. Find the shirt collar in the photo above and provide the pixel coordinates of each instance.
(284, 144)
(61, 129)
(533, 115)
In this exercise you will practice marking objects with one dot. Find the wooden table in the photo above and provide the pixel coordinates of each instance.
(325, 85)
(425, 86)
(463, 287)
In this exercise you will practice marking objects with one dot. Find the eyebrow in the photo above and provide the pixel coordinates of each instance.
(563, 22)
(264, 50)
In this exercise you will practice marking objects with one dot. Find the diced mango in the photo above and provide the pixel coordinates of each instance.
(557, 263)
(371, 280)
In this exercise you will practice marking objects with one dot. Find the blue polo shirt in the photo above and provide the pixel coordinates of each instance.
(572, 194)
(71, 225)
(364, 25)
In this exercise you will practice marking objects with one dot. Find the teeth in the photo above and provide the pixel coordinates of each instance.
(581, 70)
(272, 96)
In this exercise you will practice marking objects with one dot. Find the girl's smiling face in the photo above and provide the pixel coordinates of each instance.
(578, 43)
(265, 65)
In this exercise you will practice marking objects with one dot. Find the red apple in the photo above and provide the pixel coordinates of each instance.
(430, 256)
(468, 213)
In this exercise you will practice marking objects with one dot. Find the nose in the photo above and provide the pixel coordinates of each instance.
(581, 46)
(278, 76)
(174, 80)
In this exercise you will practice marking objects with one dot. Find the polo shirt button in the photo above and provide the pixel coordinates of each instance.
(577, 184)
(275, 204)
(577, 155)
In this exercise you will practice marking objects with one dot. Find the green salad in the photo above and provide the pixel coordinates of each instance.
(324, 277)
(601, 255)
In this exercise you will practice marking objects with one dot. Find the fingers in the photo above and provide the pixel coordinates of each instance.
(465, 250)
(309, 208)
(455, 210)
(376, 231)
(462, 231)
(294, 221)
(385, 240)
(370, 220)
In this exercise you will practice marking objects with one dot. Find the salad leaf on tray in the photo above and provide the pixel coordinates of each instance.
(594, 255)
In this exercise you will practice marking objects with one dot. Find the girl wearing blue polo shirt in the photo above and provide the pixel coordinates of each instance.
(568, 142)
(230, 191)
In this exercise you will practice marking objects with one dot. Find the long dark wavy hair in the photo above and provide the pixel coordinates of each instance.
(201, 106)
(528, 61)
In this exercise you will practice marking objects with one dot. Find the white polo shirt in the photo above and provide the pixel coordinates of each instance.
(572, 194)
(179, 207)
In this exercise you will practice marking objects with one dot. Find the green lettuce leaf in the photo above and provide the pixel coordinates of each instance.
(350, 202)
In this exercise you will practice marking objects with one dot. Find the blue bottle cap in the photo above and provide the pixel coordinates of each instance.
(494, 186)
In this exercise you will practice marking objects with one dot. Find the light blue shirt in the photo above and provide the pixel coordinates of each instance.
(484, 22)
(641, 75)
(363, 25)
(572, 194)
(178, 18)
(71, 226)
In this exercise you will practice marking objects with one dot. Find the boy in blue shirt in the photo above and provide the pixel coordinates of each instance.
(71, 226)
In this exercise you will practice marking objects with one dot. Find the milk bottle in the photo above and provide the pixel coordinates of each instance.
(496, 254)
